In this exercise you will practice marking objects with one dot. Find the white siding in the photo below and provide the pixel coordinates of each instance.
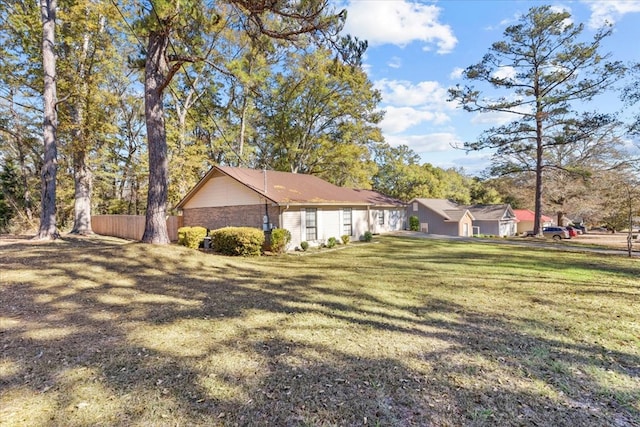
(223, 191)
(292, 221)
(360, 222)
(331, 226)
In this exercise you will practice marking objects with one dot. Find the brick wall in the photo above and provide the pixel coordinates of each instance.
(230, 216)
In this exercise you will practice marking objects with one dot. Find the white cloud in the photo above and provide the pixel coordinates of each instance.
(405, 93)
(493, 118)
(399, 119)
(610, 11)
(427, 143)
(399, 22)
(505, 72)
(456, 74)
(395, 62)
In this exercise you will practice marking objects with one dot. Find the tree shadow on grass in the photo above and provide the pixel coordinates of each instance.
(137, 334)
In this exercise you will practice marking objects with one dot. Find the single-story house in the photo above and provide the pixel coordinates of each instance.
(312, 209)
(441, 216)
(495, 220)
(526, 218)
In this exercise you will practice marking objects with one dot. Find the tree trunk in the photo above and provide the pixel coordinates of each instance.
(155, 76)
(48, 230)
(537, 223)
(83, 180)
(82, 176)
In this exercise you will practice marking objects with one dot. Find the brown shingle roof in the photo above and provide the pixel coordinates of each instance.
(447, 209)
(289, 188)
(490, 212)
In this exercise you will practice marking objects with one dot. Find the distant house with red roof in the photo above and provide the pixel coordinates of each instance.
(312, 209)
(526, 219)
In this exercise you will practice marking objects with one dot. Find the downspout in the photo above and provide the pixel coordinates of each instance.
(281, 216)
(266, 224)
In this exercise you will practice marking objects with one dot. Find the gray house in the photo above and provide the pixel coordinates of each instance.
(496, 220)
(441, 216)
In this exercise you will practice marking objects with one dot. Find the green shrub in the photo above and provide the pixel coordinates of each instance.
(304, 245)
(414, 223)
(368, 236)
(191, 237)
(345, 239)
(331, 242)
(280, 238)
(243, 241)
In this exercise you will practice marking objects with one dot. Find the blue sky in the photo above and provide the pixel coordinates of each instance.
(417, 49)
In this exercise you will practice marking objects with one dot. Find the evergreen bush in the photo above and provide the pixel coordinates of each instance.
(280, 238)
(191, 237)
(238, 241)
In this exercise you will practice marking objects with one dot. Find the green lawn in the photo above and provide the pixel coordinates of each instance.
(399, 332)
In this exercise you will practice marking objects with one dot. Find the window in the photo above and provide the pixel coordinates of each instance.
(311, 221)
(381, 217)
(346, 222)
(415, 206)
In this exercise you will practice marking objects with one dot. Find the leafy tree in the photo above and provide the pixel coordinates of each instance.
(319, 117)
(595, 147)
(482, 192)
(631, 96)
(173, 33)
(89, 54)
(9, 194)
(401, 176)
(398, 169)
(619, 192)
(542, 69)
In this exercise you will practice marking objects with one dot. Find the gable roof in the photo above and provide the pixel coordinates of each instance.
(448, 210)
(285, 188)
(492, 212)
(529, 215)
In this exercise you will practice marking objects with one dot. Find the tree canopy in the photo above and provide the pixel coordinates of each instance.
(543, 73)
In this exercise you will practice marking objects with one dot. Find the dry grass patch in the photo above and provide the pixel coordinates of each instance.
(403, 332)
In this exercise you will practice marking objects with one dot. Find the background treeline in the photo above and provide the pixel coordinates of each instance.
(239, 98)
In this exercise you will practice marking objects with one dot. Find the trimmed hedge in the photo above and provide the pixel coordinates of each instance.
(191, 237)
(238, 241)
(280, 238)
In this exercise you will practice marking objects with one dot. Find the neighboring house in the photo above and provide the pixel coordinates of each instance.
(441, 216)
(526, 218)
(312, 209)
(495, 220)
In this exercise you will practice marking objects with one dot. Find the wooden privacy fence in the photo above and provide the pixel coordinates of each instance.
(130, 226)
